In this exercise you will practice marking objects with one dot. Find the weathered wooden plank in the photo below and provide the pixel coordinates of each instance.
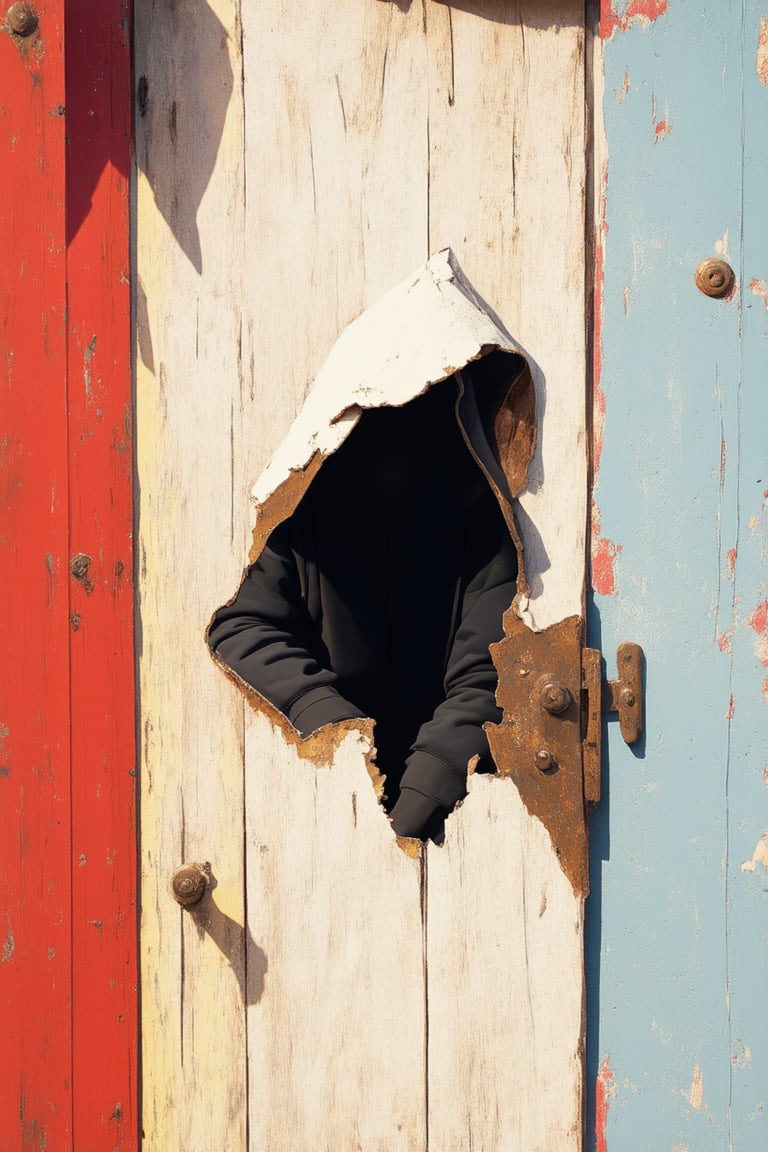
(35, 876)
(682, 1054)
(747, 563)
(507, 184)
(504, 954)
(336, 112)
(189, 244)
(507, 172)
(338, 208)
(337, 1027)
(100, 570)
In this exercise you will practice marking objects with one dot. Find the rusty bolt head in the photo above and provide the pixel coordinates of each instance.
(628, 697)
(21, 20)
(714, 278)
(545, 761)
(555, 698)
(188, 884)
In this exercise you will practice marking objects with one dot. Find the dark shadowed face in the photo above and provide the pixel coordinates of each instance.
(409, 456)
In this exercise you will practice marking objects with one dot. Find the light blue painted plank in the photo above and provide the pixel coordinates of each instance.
(676, 949)
(748, 809)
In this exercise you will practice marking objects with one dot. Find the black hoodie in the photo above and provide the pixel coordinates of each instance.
(380, 596)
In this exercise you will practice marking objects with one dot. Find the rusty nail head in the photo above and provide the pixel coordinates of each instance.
(714, 278)
(545, 761)
(21, 19)
(628, 697)
(188, 884)
(555, 698)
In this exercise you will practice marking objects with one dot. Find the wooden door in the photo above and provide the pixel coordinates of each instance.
(294, 163)
(678, 1007)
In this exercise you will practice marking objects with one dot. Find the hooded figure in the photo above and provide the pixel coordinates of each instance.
(381, 571)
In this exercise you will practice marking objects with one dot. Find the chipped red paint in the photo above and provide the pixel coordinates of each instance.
(598, 307)
(762, 51)
(758, 622)
(663, 128)
(759, 288)
(604, 554)
(759, 618)
(636, 11)
(724, 640)
(598, 430)
(621, 93)
(731, 559)
(731, 707)
(605, 1088)
(765, 697)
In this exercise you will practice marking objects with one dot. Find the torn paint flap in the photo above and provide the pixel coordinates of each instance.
(428, 328)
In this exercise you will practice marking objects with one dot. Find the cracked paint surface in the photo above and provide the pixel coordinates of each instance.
(603, 551)
(635, 12)
(762, 51)
(759, 858)
(758, 622)
(605, 1090)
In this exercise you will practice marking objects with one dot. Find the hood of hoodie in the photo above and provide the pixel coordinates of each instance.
(430, 327)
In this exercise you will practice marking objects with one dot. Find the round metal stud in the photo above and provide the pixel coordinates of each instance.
(555, 698)
(188, 884)
(545, 761)
(628, 697)
(21, 20)
(715, 278)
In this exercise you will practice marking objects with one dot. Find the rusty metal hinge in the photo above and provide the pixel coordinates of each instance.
(623, 695)
(549, 740)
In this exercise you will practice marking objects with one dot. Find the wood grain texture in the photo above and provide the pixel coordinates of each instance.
(507, 184)
(336, 1021)
(338, 115)
(189, 242)
(345, 165)
(35, 761)
(507, 169)
(100, 574)
(504, 997)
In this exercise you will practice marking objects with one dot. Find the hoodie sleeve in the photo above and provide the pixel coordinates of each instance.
(437, 765)
(265, 637)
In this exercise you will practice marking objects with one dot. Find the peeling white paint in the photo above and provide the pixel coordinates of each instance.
(760, 855)
(721, 246)
(383, 357)
(696, 1095)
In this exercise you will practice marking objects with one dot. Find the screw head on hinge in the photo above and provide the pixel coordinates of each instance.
(545, 761)
(555, 698)
(21, 20)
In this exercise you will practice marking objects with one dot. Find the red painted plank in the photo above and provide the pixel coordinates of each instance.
(68, 968)
(35, 949)
(100, 565)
